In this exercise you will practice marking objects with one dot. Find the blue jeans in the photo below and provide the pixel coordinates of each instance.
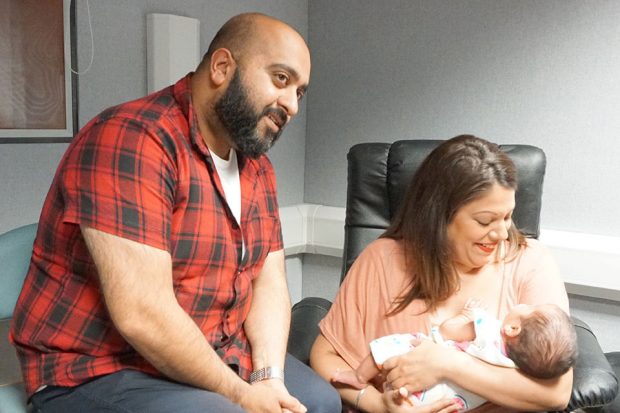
(130, 391)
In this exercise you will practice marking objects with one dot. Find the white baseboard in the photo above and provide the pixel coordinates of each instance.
(313, 229)
(589, 264)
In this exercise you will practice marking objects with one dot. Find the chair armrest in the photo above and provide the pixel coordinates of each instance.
(613, 407)
(594, 381)
(305, 317)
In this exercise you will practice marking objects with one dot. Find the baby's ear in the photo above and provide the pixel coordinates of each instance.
(511, 330)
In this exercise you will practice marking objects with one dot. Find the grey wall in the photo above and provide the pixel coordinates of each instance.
(26, 171)
(512, 71)
(118, 74)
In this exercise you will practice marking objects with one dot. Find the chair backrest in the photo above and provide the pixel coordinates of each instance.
(15, 252)
(378, 174)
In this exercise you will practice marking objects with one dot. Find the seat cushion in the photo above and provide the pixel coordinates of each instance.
(12, 395)
(13, 399)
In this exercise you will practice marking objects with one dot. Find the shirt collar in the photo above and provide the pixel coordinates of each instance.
(183, 95)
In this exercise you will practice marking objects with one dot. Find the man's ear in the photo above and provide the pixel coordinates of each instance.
(221, 66)
(512, 329)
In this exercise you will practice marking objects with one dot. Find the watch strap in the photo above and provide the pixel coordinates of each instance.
(266, 373)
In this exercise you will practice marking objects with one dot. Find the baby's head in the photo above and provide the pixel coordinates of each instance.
(540, 339)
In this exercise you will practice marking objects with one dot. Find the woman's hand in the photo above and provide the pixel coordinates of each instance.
(429, 363)
(395, 401)
(419, 369)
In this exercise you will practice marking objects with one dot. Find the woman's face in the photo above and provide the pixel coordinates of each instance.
(478, 228)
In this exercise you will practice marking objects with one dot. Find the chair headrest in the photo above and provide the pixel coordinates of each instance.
(378, 174)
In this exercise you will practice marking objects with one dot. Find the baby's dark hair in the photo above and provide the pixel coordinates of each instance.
(546, 347)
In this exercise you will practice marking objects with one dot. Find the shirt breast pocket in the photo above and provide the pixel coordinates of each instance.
(263, 232)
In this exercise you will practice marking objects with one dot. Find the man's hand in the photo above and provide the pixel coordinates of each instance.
(270, 396)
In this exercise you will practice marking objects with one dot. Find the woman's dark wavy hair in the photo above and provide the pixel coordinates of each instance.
(455, 173)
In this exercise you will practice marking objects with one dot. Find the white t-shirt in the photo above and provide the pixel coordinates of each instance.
(228, 171)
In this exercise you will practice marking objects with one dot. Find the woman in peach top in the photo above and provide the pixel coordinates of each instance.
(452, 239)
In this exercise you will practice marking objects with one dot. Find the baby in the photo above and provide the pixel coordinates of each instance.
(540, 340)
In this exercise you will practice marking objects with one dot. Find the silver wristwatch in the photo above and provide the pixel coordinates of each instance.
(266, 373)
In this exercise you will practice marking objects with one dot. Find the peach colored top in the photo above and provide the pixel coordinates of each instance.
(378, 276)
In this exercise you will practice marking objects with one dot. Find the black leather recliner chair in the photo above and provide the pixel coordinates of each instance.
(377, 176)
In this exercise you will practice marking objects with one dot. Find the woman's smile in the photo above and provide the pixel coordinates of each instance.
(487, 248)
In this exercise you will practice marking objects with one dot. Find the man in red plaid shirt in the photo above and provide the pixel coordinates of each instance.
(157, 281)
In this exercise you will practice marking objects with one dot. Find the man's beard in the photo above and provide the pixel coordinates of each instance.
(240, 120)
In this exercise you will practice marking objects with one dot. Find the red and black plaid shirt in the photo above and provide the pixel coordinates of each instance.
(142, 171)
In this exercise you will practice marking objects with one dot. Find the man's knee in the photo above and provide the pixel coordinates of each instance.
(309, 388)
(321, 397)
(328, 402)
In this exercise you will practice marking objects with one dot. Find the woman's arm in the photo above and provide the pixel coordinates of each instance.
(430, 363)
(325, 361)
